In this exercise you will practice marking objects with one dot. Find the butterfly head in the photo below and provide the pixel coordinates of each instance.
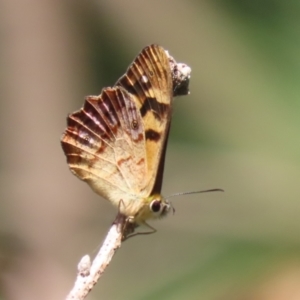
(154, 207)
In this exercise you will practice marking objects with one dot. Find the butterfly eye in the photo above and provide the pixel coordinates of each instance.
(134, 124)
(155, 205)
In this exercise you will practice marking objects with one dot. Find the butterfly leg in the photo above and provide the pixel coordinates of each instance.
(128, 228)
(129, 234)
(152, 229)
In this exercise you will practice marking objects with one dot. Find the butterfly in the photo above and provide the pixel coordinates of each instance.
(117, 141)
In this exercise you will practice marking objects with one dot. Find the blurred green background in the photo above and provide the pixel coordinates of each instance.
(237, 130)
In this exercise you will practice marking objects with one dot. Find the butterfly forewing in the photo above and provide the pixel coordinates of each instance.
(149, 80)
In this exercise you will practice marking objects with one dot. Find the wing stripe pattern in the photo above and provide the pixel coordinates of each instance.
(102, 145)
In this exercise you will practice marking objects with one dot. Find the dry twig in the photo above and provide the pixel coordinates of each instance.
(88, 274)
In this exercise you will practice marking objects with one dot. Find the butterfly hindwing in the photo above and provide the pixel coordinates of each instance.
(105, 144)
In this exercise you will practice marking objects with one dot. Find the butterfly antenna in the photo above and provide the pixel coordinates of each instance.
(195, 192)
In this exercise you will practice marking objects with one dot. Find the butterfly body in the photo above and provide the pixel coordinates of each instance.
(117, 141)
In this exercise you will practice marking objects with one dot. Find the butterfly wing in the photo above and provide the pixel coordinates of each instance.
(105, 144)
(149, 80)
(117, 141)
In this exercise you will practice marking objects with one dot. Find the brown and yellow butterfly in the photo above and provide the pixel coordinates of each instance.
(117, 142)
